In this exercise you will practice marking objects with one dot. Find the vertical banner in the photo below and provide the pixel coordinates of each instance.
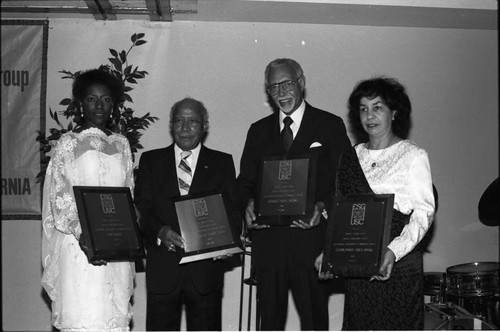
(23, 79)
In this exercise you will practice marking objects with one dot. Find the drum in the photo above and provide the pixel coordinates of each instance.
(449, 316)
(472, 279)
(464, 323)
(486, 308)
(435, 285)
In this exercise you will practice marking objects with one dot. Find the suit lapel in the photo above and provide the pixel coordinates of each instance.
(202, 171)
(274, 132)
(168, 172)
(306, 132)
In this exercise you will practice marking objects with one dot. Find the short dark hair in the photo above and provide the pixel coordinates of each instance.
(392, 93)
(196, 104)
(85, 79)
(284, 61)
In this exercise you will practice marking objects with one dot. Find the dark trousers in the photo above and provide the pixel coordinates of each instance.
(203, 312)
(309, 294)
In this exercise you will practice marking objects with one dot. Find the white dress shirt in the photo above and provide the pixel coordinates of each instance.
(296, 117)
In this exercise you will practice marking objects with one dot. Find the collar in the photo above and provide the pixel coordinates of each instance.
(296, 116)
(193, 158)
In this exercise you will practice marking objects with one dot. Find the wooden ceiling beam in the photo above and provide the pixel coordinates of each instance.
(156, 10)
(159, 10)
(46, 9)
(101, 9)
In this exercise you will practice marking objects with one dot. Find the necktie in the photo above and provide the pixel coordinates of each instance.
(185, 174)
(286, 133)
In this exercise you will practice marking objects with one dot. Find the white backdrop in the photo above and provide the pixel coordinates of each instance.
(451, 76)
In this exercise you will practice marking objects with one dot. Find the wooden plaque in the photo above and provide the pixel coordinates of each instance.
(206, 227)
(285, 191)
(358, 233)
(109, 223)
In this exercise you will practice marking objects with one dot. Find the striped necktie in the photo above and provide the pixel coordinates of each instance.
(184, 174)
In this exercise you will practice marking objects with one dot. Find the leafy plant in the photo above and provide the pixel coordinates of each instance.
(124, 123)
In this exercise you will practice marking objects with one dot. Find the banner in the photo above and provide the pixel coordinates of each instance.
(23, 79)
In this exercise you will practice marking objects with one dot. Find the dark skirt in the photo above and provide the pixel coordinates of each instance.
(395, 304)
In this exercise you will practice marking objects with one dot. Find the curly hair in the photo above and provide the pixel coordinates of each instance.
(392, 93)
(87, 78)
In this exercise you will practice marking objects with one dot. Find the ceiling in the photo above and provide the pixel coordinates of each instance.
(460, 14)
(154, 10)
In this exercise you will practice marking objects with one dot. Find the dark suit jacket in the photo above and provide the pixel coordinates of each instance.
(156, 186)
(279, 247)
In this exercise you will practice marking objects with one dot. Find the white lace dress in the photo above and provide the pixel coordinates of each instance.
(84, 297)
(402, 169)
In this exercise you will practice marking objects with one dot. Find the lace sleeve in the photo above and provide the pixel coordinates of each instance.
(129, 167)
(59, 211)
(422, 202)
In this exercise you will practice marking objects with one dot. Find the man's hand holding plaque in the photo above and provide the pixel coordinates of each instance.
(206, 228)
(170, 239)
(251, 219)
(315, 219)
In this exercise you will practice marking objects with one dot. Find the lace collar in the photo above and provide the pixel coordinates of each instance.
(93, 131)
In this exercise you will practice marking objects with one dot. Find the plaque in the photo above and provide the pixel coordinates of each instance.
(109, 223)
(206, 227)
(358, 232)
(285, 189)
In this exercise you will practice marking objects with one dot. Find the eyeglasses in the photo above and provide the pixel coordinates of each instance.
(274, 89)
(193, 123)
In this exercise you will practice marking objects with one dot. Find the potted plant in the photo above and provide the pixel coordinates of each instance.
(125, 123)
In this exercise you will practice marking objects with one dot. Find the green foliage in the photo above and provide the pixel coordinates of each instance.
(126, 123)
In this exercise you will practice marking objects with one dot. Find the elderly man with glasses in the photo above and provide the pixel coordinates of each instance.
(283, 256)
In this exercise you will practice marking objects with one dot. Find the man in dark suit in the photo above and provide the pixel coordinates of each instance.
(284, 257)
(185, 167)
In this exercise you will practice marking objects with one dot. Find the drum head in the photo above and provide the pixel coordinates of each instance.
(477, 279)
(476, 267)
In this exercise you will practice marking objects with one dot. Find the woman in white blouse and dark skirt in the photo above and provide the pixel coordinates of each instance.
(379, 109)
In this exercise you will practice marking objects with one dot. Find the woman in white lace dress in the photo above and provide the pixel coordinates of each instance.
(86, 295)
(379, 109)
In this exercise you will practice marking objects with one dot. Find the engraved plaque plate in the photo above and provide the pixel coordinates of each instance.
(206, 227)
(109, 223)
(285, 189)
(358, 233)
